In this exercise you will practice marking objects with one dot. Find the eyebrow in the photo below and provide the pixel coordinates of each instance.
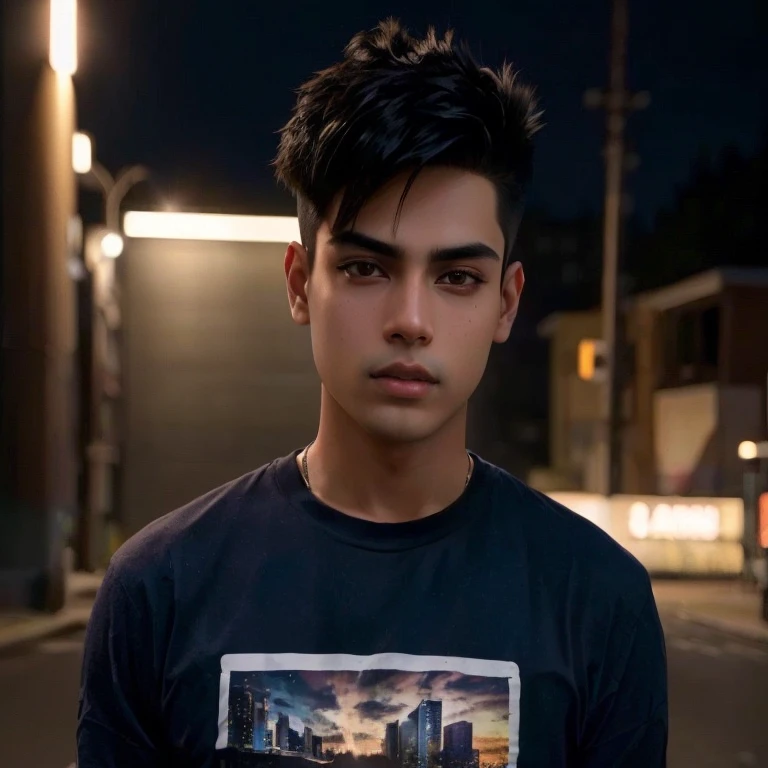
(372, 245)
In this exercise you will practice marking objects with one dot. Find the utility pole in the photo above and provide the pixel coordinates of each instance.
(617, 102)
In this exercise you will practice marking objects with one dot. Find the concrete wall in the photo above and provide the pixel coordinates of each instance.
(698, 430)
(37, 447)
(218, 378)
(686, 421)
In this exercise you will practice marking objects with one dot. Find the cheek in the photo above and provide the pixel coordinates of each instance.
(470, 342)
(340, 326)
(472, 329)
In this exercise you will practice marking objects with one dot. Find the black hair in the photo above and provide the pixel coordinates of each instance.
(396, 104)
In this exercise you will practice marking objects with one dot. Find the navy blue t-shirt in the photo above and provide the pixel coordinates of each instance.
(257, 626)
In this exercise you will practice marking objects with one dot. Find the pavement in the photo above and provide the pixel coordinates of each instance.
(23, 627)
(729, 606)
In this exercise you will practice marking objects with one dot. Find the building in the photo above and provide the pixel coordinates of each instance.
(695, 375)
(392, 740)
(282, 729)
(240, 717)
(428, 719)
(699, 382)
(260, 718)
(408, 747)
(317, 747)
(457, 746)
(308, 740)
(38, 439)
(457, 738)
(574, 406)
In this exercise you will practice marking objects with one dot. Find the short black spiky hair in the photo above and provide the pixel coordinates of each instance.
(396, 103)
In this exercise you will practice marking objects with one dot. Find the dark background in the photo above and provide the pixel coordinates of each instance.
(198, 89)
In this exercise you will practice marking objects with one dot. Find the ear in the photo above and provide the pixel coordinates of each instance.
(296, 279)
(511, 288)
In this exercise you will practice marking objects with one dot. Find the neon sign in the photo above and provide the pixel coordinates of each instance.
(677, 522)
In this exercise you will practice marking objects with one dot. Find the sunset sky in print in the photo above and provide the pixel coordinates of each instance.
(350, 710)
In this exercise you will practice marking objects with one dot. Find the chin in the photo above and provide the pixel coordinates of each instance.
(401, 425)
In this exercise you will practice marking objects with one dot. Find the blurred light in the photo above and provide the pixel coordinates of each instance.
(211, 226)
(590, 365)
(63, 44)
(76, 268)
(687, 522)
(82, 152)
(748, 450)
(111, 245)
(586, 366)
(763, 520)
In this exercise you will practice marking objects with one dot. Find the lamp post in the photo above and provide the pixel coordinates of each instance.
(103, 245)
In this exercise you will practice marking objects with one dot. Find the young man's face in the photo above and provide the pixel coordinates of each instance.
(428, 297)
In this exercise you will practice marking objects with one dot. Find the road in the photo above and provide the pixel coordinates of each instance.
(718, 701)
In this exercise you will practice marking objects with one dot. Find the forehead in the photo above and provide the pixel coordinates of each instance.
(444, 207)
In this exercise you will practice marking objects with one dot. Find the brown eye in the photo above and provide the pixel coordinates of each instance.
(359, 269)
(460, 278)
(365, 269)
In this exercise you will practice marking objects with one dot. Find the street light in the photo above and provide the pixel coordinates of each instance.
(62, 53)
(114, 188)
(82, 153)
(103, 245)
(112, 245)
(750, 450)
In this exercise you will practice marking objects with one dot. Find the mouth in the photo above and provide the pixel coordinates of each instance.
(403, 381)
(404, 372)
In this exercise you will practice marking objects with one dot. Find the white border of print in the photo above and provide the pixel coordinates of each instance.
(342, 662)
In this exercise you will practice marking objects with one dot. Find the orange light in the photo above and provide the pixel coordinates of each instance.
(762, 521)
(586, 362)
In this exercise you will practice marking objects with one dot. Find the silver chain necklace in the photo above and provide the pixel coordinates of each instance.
(305, 469)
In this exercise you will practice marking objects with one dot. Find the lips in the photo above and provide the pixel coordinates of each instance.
(405, 372)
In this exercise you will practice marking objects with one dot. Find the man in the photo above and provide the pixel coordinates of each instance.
(382, 597)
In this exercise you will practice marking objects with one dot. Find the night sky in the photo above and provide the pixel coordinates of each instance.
(197, 89)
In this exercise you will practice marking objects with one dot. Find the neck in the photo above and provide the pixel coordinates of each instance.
(386, 481)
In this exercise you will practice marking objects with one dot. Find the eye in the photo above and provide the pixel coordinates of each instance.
(460, 278)
(360, 269)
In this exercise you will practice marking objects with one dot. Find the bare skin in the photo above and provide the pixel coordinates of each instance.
(388, 451)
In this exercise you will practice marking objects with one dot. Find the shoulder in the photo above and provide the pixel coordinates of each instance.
(148, 557)
(562, 544)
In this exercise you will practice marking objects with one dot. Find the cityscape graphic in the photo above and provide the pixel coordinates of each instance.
(369, 719)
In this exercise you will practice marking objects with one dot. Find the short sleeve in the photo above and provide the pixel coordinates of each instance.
(117, 712)
(628, 726)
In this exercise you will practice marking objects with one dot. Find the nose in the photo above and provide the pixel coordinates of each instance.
(409, 313)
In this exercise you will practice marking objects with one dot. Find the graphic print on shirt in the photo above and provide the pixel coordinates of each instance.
(384, 711)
